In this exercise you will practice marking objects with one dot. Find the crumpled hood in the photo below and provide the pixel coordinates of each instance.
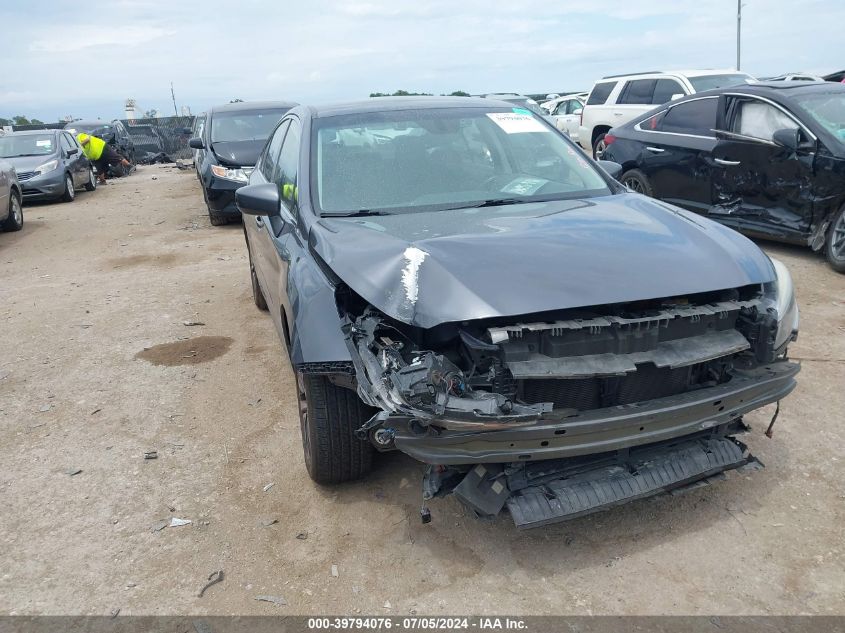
(238, 153)
(430, 268)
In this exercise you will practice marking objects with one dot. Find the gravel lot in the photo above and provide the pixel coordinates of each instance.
(88, 291)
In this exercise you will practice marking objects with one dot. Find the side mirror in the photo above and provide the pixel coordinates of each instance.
(613, 169)
(72, 151)
(196, 143)
(577, 110)
(260, 199)
(789, 138)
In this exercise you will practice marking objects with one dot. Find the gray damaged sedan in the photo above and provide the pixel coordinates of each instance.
(455, 280)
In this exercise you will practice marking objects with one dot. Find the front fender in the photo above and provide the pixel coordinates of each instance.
(314, 321)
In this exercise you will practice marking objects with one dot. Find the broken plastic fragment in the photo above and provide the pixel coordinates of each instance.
(277, 600)
(174, 522)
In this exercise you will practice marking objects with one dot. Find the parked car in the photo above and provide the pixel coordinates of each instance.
(521, 101)
(114, 133)
(616, 99)
(11, 213)
(230, 143)
(197, 132)
(793, 77)
(566, 114)
(473, 291)
(50, 164)
(767, 160)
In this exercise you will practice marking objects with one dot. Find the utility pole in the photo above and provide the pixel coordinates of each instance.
(176, 112)
(738, 30)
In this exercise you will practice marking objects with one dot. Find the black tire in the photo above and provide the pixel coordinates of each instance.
(70, 192)
(637, 182)
(92, 180)
(599, 147)
(257, 294)
(328, 418)
(15, 220)
(216, 219)
(835, 246)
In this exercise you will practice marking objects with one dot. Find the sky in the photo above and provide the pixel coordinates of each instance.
(83, 59)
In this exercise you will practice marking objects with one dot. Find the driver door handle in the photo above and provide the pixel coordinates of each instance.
(722, 161)
(656, 150)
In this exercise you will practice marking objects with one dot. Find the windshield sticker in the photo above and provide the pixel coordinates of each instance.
(524, 186)
(517, 123)
(521, 111)
(45, 143)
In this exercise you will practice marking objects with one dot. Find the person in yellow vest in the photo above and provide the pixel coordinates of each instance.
(101, 154)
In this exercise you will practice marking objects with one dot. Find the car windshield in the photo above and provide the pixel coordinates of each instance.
(96, 129)
(710, 82)
(827, 109)
(450, 158)
(27, 145)
(244, 125)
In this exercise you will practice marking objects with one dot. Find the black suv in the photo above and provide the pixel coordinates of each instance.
(766, 159)
(230, 141)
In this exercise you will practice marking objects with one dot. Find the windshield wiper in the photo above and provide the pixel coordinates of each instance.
(493, 202)
(22, 155)
(360, 213)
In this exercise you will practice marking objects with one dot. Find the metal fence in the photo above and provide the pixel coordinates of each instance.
(166, 135)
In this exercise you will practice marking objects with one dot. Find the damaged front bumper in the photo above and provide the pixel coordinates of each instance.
(559, 434)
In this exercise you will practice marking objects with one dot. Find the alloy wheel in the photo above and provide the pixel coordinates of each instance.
(634, 185)
(601, 147)
(92, 179)
(71, 192)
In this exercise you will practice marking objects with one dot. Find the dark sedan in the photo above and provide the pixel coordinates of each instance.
(112, 132)
(232, 138)
(765, 159)
(455, 280)
(50, 164)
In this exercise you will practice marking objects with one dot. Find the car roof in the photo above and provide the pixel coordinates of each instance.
(28, 132)
(780, 87)
(243, 106)
(90, 123)
(389, 104)
(681, 73)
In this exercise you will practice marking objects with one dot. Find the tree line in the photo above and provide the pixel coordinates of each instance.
(19, 120)
(405, 93)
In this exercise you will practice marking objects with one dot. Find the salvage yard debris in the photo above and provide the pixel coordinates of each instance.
(277, 600)
(213, 578)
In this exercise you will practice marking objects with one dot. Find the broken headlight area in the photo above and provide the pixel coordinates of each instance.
(494, 374)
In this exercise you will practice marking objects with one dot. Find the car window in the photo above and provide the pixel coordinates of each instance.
(827, 109)
(600, 93)
(637, 91)
(758, 119)
(573, 105)
(560, 108)
(691, 117)
(444, 159)
(287, 167)
(664, 89)
(66, 144)
(710, 82)
(270, 157)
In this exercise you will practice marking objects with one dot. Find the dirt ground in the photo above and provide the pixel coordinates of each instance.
(98, 367)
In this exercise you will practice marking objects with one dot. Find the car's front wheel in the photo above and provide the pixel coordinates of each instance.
(69, 193)
(835, 248)
(15, 220)
(91, 184)
(328, 418)
(637, 182)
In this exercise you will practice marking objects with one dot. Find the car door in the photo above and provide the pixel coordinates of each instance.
(676, 152)
(283, 228)
(565, 119)
(759, 186)
(258, 228)
(70, 156)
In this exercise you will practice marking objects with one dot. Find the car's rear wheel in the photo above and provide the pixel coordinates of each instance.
(92, 180)
(15, 220)
(70, 192)
(328, 418)
(637, 182)
(599, 147)
(835, 248)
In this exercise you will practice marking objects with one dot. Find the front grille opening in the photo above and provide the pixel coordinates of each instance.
(648, 382)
